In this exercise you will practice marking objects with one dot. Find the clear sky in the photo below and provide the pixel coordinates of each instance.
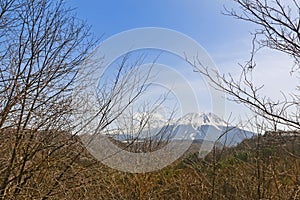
(201, 20)
(226, 39)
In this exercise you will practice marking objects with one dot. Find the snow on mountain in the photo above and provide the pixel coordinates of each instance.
(199, 119)
(193, 126)
(209, 127)
(194, 119)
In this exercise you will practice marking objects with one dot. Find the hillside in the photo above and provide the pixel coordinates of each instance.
(263, 167)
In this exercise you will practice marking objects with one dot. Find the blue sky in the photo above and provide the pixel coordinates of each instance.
(201, 20)
(226, 39)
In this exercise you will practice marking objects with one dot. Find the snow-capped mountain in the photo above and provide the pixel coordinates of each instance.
(198, 119)
(194, 126)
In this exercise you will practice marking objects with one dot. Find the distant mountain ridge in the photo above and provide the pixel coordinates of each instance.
(194, 126)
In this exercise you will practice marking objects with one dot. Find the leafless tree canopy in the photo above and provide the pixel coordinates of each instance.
(42, 44)
(43, 47)
(278, 24)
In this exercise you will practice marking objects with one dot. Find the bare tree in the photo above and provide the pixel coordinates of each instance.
(278, 26)
(42, 46)
(278, 29)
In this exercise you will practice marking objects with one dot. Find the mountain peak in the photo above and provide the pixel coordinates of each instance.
(198, 119)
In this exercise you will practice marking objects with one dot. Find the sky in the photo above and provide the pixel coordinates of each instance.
(226, 40)
(201, 20)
